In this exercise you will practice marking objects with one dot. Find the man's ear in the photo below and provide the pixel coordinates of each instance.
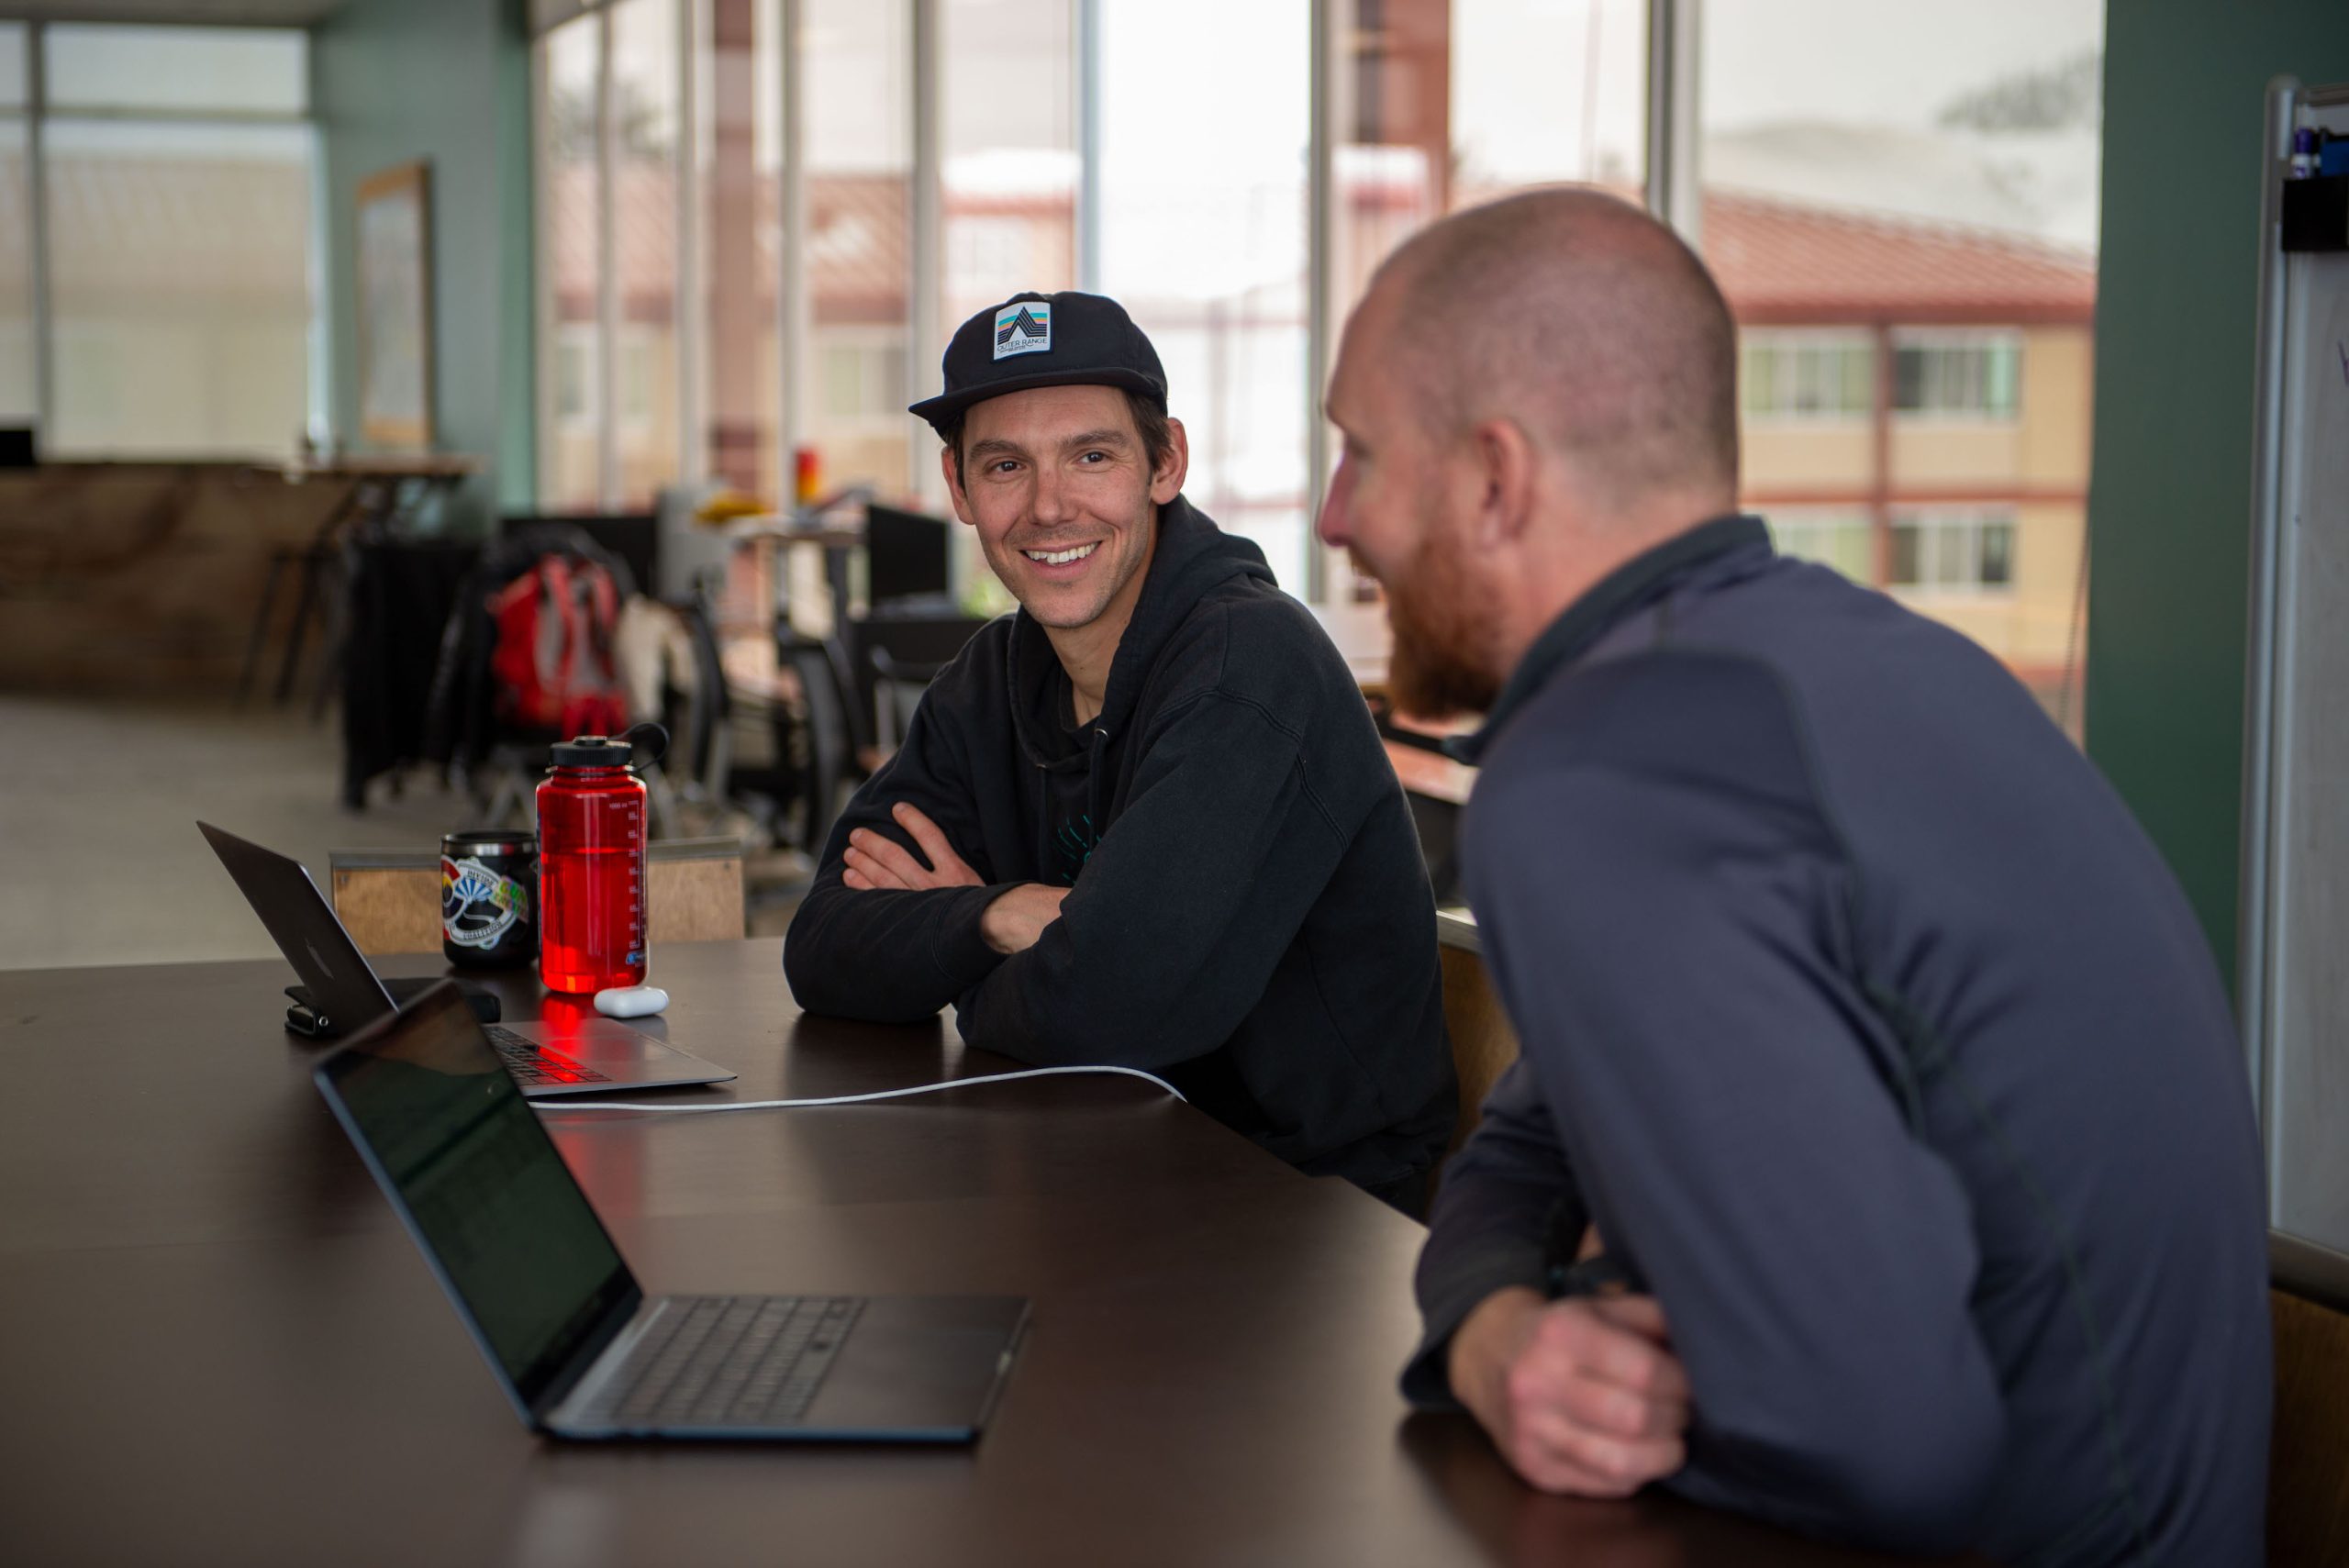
(953, 471)
(1504, 461)
(1166, 478)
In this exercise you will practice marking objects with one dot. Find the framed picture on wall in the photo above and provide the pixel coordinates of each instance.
(394, 296)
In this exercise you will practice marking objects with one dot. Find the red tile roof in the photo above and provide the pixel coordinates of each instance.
(1779, 262)
(1784, 262)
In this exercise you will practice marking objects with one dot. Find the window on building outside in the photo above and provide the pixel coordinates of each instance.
(1806, 375)
(1837, 536)
(1963, 376)
(1960, 550)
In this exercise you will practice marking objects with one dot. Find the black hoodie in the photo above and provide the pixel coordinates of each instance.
(1249, 915)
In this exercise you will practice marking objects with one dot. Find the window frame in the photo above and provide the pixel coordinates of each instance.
(1787, 345)
(1973, 526)
(1987, 341)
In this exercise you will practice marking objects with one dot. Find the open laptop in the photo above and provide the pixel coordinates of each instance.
(578, 1345)
(582, 1056)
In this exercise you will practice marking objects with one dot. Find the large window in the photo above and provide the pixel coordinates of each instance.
(176, 175)
(1901, 203)
(649, 436)
(571, 251)
(857, 123)
(1438, 105)
(1203, 238)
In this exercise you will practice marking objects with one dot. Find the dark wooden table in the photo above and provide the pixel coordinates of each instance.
(216, 1345)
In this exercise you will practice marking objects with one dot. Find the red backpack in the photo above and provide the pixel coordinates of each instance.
(553, 657)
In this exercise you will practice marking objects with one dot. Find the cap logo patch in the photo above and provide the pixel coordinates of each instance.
(1023, 326)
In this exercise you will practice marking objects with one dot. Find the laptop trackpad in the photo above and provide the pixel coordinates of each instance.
(919, 1367)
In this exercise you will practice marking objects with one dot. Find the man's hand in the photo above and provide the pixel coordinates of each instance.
(1582, 1395)
(875, 860)
(1013, 922)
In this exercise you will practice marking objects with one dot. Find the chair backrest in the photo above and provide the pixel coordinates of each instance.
(1482, 1044)
(390, 899)
(632, 540)
(2308, 1464)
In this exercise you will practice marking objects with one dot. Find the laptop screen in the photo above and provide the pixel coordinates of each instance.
(462, 1157)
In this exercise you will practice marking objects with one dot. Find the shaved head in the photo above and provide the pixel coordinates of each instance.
(1587, 322)
(1531, 394)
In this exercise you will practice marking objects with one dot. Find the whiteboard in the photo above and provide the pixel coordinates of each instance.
(2294, 974)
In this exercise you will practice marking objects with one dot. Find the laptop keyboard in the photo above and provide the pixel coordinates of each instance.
(532, 1062)
(727, 1361)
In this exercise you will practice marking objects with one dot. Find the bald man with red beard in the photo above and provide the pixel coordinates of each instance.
(1880, 1161)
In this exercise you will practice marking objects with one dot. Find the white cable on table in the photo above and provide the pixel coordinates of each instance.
(568, 1104)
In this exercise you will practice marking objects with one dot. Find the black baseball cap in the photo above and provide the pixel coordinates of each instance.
(1044, 339)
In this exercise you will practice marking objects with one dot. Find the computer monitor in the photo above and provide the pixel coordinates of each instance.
(905, 556)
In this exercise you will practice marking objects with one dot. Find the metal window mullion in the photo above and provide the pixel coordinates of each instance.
(1088, 145)
(1673, 192)
(791, 287)
(608, 282)
(37, 192)
(548, 347)
(924, 325)
(1321, 240)
(687, 314)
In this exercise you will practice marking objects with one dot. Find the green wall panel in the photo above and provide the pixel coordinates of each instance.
(2169, 511)
(448, 82)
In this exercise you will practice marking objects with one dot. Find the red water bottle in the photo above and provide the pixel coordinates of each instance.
(591, 865)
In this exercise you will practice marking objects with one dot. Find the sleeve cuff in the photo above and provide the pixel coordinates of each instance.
(961, 952)
(1496, 1264)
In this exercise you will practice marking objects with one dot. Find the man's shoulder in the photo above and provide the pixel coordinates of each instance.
(1725, 721)
(978, 672)
(1246, 639)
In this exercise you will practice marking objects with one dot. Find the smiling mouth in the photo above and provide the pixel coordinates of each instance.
(1060, 557)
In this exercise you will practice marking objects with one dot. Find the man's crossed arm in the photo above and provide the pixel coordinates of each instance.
(875, 862)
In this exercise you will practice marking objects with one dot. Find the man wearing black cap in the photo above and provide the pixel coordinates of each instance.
(1146, 820)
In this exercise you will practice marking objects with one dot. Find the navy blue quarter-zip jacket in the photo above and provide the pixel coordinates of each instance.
(1885, 1052)
(1248, 915)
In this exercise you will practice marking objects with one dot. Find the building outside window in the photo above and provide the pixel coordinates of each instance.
(1958, 551)
(1960, 375)
(1840, 537)
(1795, 374)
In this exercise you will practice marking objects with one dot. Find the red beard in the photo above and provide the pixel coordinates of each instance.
(1435, 671)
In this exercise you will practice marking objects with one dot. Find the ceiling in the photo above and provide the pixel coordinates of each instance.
(259, 13)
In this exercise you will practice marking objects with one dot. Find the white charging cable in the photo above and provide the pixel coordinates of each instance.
(569, 1105)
